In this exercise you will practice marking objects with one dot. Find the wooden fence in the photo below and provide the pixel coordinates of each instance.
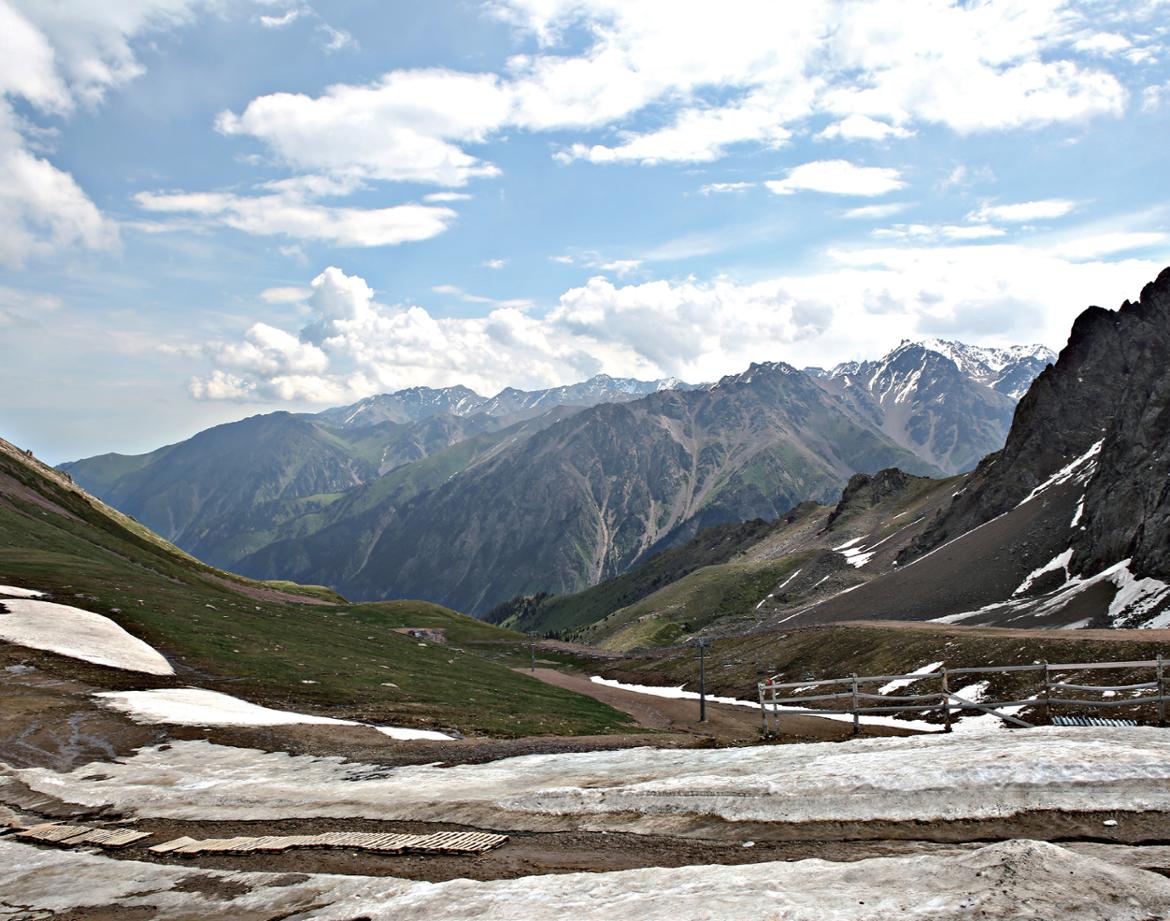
(944, 702)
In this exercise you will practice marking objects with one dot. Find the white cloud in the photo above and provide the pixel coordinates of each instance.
(335, 39)
(26, 308)
(42, 208)
(287, 18)
(1020, 212)
(288, 295)
(1105, 244)
(442, 197)
(859, 305)
(713, 188)
(1154, 96)
(934, 232)
(400, 128)
(876, 212)
(748, 72)
(494, 263)
(863, 128)
(1104, 43)
(55, 57)
(296, 216)
(837, 177)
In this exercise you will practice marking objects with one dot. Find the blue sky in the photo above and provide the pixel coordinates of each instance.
(214, 209)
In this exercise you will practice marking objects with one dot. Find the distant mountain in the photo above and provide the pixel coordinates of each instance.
(231, 489)
(581, 500)
(430, 492)
(422, 402)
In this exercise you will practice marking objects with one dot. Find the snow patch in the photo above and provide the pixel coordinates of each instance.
(200, 707)
(906, 682)
(1060, 561)
(1067, 472)
(13, 592)
(78, 634)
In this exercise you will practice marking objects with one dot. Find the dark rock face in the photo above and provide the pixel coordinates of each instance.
(863, 489)
(1111, 385)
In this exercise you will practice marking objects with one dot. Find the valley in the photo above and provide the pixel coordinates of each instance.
(146, 690)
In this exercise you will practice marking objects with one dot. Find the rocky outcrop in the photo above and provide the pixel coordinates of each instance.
(1110, 386)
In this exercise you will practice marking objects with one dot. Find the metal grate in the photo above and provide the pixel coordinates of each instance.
(1089, 721)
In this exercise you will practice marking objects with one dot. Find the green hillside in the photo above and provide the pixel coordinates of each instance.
(289, 648)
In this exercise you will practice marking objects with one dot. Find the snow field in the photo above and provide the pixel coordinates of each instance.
(992, 883)
(78, 634)
(199, 707)
(980, 775)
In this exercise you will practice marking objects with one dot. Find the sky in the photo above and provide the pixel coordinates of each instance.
(213, 209)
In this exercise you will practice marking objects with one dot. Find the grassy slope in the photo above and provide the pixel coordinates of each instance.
(566, 613)
(57, 539)
(693, 602)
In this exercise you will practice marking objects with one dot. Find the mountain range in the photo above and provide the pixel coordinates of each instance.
(467, 500)
(1065, 526)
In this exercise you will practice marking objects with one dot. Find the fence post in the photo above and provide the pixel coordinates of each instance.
(763, 711)
(856, 716)
(946, 700)
(1161, 692)
(1047, 694)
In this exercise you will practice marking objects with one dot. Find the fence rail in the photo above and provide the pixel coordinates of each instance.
(945, 702)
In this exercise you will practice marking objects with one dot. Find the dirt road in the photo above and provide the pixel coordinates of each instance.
(726, 724)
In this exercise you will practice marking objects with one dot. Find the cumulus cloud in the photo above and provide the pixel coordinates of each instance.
(748, 72)
(55, 58)
(862, 302)
(1019, 212)
(400, 128)
(837, 177)
(863, 128)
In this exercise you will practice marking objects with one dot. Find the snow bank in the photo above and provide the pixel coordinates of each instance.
(78, 634)
(199, 707)
(13, 592)
(646, 790)
(993, 883)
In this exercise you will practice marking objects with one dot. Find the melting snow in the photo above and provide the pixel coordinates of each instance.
(1060, 561)
(13, 592)
(648, 790)
(1066, 473)
(906, 682)
(947, 884)
(78, 634)
(199, 707)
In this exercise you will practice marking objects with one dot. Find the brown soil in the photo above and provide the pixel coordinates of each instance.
(535, 853)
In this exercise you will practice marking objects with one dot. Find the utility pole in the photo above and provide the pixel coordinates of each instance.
(532, 648)
(702, 642)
